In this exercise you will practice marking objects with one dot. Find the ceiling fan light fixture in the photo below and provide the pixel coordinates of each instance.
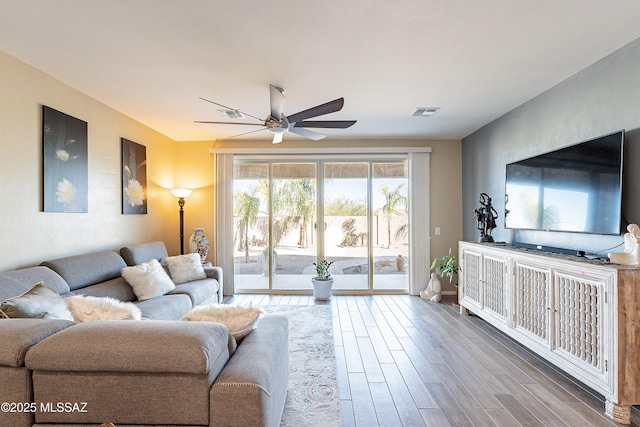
(424, 111)
(277, 137)
(277, 130)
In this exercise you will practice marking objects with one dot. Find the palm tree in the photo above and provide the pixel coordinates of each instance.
(296, 199)
(247, 206)
(394, 201)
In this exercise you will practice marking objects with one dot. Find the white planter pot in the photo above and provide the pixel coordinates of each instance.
(322, 288)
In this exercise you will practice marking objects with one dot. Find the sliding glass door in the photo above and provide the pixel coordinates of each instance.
(251, 225)
(288, 214)
(346, 223)
(390, 226)
(293, 235)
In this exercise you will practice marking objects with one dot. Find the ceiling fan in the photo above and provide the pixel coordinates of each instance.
(279, 124)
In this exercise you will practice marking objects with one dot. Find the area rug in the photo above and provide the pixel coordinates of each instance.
(312, 398)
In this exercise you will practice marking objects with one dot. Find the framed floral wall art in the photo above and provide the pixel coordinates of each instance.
(134, 177)
(64, 162)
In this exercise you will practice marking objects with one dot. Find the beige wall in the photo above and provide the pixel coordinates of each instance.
(194, 169)
(29, 236)
(446, 199)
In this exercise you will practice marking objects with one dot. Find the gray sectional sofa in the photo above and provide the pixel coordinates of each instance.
(159, 371)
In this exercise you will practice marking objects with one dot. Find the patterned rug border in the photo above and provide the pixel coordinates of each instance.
(312, 397)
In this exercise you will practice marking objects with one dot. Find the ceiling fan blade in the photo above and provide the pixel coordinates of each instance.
(246, 133)
(276, 96)
(327, 124)
(318, 110)
(229, 108)
(229, 123)
(307, 133)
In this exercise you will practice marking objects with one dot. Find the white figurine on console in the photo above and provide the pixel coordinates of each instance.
(434, 289)
(631, 254)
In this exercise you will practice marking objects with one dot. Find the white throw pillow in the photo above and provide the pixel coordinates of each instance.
(148, 279)
(238, 319)
(185, 268)
(86, 308)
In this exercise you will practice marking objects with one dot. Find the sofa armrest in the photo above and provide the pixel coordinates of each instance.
(254, 382)
(19, 335)
(214, 272)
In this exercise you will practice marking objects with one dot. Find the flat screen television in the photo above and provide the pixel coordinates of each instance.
(574, 189)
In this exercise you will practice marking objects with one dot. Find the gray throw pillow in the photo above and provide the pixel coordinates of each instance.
(39, 301)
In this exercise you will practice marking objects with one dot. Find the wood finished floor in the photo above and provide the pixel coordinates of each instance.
(402, 361)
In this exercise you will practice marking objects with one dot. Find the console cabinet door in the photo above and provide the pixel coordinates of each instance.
(484, 284)
(495, 291)
(532, 290)
(470, 291)
(582, 327)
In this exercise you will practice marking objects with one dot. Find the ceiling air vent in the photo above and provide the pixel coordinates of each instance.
(424, 111)
(231, 114)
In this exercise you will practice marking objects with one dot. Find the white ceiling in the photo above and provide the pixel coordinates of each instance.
(476, 60)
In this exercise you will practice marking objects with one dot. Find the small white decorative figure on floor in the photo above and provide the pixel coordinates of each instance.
(631, 254)
(434, 289)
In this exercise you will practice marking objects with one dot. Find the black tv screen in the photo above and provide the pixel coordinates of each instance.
(573, 189)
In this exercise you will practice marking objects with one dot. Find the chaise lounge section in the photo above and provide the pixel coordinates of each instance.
(161, 373)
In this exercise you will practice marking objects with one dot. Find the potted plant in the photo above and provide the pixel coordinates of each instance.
(323, 281)
(447, 266)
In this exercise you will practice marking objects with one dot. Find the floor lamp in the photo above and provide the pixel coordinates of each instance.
(181, 193)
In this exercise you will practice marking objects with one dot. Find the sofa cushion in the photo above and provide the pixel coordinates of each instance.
(200, 291)
(165, 307)
(185, 268)
(148, 279)
(85, 308)
(18, 335)
(143, 252)
(115, 288)
(38, 302)
(17, 282)
(163, 346)
(88, 269)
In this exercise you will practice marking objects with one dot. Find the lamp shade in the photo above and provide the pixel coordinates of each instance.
(181, 192)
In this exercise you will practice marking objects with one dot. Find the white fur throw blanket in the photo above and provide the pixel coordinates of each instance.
(238, 319)
(86, 308)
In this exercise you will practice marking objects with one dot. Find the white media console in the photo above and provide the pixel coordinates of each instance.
(583, 316)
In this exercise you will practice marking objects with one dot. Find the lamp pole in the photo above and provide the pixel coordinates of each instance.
(181, 204)
(181, 193)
